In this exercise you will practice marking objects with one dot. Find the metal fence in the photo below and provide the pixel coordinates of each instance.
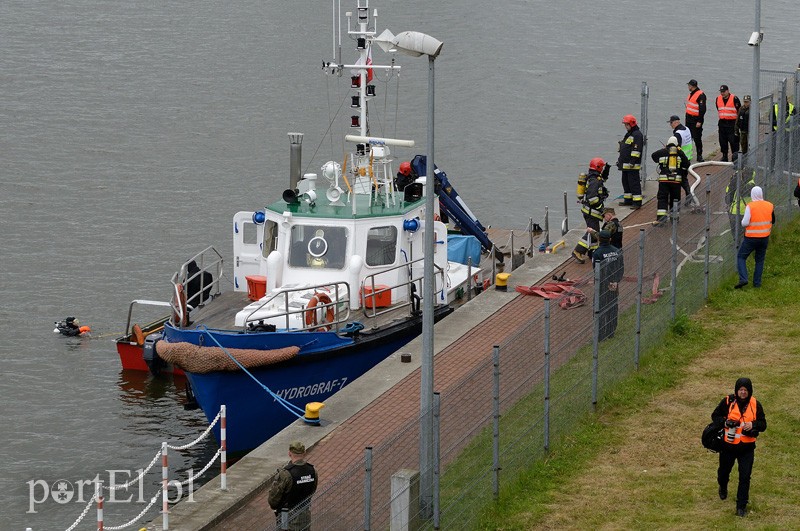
(534, 388)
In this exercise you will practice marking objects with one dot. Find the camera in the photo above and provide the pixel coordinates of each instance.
(755, 38)
(730, 430)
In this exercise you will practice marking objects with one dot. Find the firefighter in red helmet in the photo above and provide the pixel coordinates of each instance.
(591, 193)
(405, 176)
(630, 162)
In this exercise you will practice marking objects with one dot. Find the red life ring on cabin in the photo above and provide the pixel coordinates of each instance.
(311, 312)
(179, 305)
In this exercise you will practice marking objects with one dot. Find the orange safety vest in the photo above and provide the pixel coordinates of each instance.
(692, 107)
(748, 416)
(760, 219)
(727, 111)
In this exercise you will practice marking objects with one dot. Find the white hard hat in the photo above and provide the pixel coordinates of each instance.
(672, 141)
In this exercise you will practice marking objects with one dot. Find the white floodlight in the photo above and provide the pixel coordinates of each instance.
(416, 44)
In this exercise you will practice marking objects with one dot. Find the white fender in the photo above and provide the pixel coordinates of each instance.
(354, 279)
(274, 271)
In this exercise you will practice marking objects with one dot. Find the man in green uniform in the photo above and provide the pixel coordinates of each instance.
(292, 488)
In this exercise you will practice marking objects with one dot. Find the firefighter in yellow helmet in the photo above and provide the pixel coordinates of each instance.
(673, 167)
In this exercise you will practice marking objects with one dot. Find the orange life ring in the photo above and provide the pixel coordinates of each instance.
(181, 306)
(311, 312)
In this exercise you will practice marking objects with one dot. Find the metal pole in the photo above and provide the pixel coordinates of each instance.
(674, 259)
(426, 378)
(469, 278)
(643, 127)
(639, 283)
(546, 227)
(547, 375)
(513, 250)
(565, 227)
(752, 135)
(437, 427)
(708, 236)
(780, 139)
(596, 333)
(530, 226)
(367, 487)
(496, 423)
(738, 209)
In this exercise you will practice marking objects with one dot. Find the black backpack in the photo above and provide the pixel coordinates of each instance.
(713, 437)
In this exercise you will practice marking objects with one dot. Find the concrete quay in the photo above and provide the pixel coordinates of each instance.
(389, 392)
(249, 478)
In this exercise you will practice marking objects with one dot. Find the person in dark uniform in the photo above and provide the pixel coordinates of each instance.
(743, 123)
(743, 418)
(673, 167)
(728, 109)
(695, 115)
(685, 142)
(613, 225)
(609, 259)
(292, 487)
(405, 176)
(630, 162)
(592, 193)
(797, 192)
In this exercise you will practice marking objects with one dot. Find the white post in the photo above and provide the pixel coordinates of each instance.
(98, 490)
(223, 449)
(164, 487)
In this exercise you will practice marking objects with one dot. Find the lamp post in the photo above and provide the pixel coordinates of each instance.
(752, 130)
(416, 44)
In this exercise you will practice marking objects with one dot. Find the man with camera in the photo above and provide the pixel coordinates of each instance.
(743, 418)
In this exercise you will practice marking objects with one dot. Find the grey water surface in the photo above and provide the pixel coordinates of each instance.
(131, 132)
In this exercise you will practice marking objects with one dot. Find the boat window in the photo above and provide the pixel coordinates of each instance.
(270, 237)
(317, 246)
(381, 246)
(249, 233)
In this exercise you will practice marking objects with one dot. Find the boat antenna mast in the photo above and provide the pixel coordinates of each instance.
(370, 164)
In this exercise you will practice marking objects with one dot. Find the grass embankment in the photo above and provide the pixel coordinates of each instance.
(638, 462)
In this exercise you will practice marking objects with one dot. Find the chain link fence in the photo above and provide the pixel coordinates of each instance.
(538, 385)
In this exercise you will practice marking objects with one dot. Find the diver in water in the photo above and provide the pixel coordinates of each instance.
(71, 327)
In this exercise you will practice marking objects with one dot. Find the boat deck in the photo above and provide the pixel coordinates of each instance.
(221, 314)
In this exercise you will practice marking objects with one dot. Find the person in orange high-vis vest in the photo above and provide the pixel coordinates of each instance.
(728, 109)
(759, 216)
(695, 116)
(743, 419)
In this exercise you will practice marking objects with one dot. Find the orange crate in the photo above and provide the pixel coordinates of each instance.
(381, 299)
(256, 287)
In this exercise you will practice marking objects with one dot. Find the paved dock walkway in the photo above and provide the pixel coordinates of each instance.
(389, 392)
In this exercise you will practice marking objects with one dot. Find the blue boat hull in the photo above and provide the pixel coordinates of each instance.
(316, 373)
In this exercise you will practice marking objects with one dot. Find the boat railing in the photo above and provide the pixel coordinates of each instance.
(340, 316)
(209, 260)
(413, 285)
(155, 324)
